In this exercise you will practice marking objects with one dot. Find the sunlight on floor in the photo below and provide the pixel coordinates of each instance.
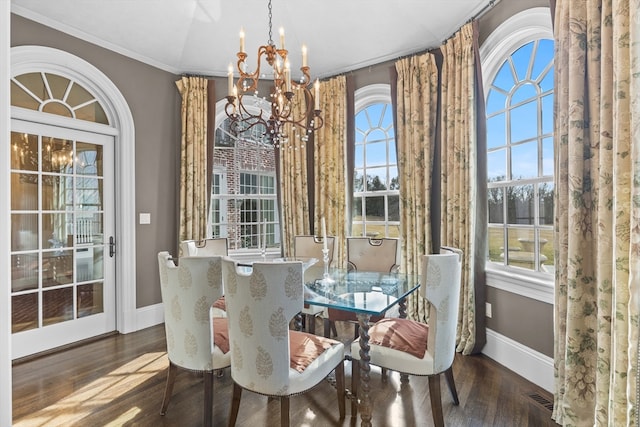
(100, 392)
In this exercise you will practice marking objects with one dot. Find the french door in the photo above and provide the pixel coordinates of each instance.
(62, 219)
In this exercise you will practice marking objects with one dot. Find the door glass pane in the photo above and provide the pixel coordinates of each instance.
(55, 231)
(57, 155)
(24, 272)
(57, 193)
(57, 268)
(24, 312)
(24, 232)
(24, 192)
(24, 151)
(90, 299)
(57, 306)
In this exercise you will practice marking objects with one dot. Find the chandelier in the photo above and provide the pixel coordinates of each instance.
(285, 93)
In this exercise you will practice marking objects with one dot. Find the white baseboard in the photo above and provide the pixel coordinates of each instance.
(524, 361)
(148, 316)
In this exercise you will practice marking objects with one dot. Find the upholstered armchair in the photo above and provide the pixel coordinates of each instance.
(205, 247)
(414, 348)
(365, 254)
(196, 341)
(266, 356)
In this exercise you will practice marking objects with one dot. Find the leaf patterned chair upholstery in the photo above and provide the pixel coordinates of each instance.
(266, 356)
(414, 348)
(365, 254)
(188, 292)
(205, 247)
(310, 246)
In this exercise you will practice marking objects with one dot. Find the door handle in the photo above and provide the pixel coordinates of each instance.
(112, 246)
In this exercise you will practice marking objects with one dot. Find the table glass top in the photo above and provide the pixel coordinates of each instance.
(359, 292)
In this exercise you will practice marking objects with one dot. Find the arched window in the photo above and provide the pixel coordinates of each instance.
(376, 192)
(518, 71)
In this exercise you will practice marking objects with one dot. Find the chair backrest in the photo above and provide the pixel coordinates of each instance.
(441, 281)
(311, 247)
(188, 291)
(365, 254)
(260, 305)
(205, 247)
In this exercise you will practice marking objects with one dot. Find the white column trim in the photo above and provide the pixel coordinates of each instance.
(6, 401)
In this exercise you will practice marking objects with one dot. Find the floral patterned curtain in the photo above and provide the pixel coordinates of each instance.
(458, 170)
(193, 158)
(294, 180)
(329, 156)
(417, 101)
(597, 211)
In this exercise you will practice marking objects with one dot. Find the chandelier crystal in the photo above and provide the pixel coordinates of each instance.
(285, 93)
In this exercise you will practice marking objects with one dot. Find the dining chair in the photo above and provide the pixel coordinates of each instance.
(205, 247)
(414, 348)
(208, 247)
(266, 356)
(196, 341)
(310, 246)
(365, 254)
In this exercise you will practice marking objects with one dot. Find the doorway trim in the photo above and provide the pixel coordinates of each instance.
(25, 59)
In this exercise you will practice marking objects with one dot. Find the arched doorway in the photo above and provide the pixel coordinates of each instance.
(62, 104)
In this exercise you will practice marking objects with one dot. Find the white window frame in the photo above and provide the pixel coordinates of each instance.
(254, 105)
(520, 29)
(363, 98)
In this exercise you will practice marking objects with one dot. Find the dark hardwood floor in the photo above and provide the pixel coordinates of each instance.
(119, 381)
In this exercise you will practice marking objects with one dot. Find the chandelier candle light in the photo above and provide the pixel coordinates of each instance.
(284, 93)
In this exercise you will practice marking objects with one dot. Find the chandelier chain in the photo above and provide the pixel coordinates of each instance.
(270, 25)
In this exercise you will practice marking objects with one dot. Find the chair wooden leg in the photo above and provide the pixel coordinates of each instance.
(355, 382)
(311, 324)
(356, 332)
(436, 400)
(172, 370)
(327, 328)
(208, 399)
(333, 328)
(448, 374)
(284, 411)
(340, 388)
(235, 404)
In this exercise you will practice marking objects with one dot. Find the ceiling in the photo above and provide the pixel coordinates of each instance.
(201, 36)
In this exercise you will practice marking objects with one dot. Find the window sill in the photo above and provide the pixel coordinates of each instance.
(538, 287)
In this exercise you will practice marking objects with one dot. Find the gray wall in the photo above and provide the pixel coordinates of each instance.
(155, 105)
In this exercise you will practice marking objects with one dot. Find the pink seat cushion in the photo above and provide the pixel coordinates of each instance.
(304, 348)
(221, 333)
(220, 303)
(400, 334)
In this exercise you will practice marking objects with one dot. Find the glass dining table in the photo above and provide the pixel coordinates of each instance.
(366, 294)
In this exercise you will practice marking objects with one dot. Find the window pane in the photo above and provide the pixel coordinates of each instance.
(394, 208)
(495, 198)
(524, 93)
(496, 244)
(544, 55)
(521, 245)
(357, 209)
(524, 122)
(504, 79)
(520, 204)
(524, 160)
(393, 175)
(376, 153)
(547, 157)
(359, 156)
(375, 208)
(496, 101)
(545, 194)
(376, 179)
(497, 165)
(522, 59)
(358, 181)
(547, 113)
(546, 84)
(496, 131)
